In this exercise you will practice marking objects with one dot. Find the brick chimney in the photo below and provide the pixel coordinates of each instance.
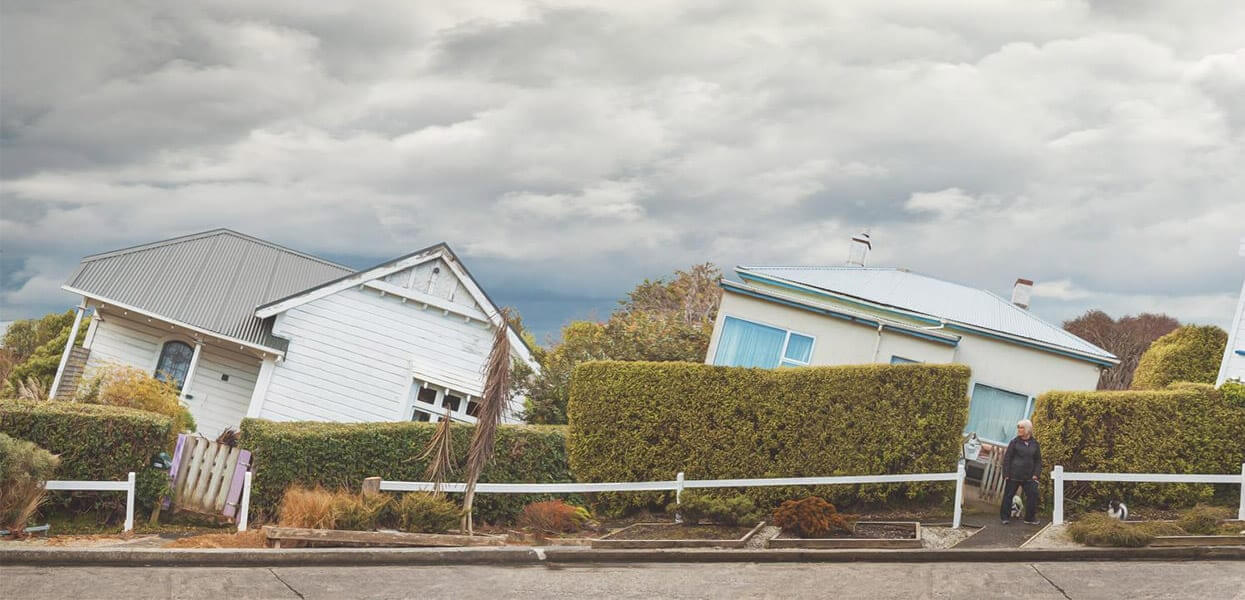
(1021, 292)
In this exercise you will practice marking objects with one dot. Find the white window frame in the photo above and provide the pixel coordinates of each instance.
(1029, 400)
(782, 353)
(437, 409)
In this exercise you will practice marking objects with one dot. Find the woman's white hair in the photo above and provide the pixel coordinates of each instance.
(1026, 423)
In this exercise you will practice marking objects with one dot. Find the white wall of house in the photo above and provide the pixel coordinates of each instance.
(353, 356)
(215, 403)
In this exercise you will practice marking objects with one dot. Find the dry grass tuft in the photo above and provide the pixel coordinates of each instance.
(1098, 529)
(310, 508)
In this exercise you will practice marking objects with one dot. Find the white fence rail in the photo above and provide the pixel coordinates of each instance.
(1060, 476)
(679, 484)
(127, 486)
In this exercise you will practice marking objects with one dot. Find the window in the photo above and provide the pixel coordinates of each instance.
(421, 416)
(747, 344)
(428, 402)
(452, 401)
(992, 413)
(174, 362)
(899, 360)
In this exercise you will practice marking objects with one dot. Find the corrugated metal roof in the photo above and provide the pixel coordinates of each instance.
(211, 280)
(934, 298)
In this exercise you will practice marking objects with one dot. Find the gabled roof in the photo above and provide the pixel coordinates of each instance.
(210, 281)
(930, 299)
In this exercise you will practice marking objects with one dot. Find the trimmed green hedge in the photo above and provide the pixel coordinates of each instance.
(638, 421)
(94, 442)
(1186, 428)
(341, 455)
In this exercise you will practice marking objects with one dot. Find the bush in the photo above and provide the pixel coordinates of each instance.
(118, 385)
(1098, 529)
(811, 517)
(1187, 428)
(731, 510)
(1191, 353)
(1203, 519)
(37, 345)
(310, 508)
(23, 469)
(97, 443)
(553, 516)
(419, 512)
(648, 421)
(341, 455)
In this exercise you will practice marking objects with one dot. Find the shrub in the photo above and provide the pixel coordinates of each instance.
(1187, 428)
(118, 385)
(1098, 529)
(1190, 353)
(553, 516)
(311, 508)
(341, 455)
(97, 443)
(637, 421)
(419, 512)
(23, 469)
(811, 517)
(38, 345)
(1233, 393)
(356, 512)
(732, 510)
(1203, 519)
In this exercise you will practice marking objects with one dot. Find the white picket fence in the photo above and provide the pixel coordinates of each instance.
(126, 486)
(678, 484)
(1060, 476)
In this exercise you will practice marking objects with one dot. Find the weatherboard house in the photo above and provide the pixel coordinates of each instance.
(1233, 366)
(836, 315)
(247, 328)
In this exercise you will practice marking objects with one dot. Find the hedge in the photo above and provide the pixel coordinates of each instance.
(341, 455)
(1186, 428)
(638, 421)
(1190, 353)
(95, 442)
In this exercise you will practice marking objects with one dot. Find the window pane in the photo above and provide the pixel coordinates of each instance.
(899, 360)
(174, 363)
(993, 413)
(746, 344)
(427, 395)
(421, 416)
(473, 408)
(799, 347)
(453, 402)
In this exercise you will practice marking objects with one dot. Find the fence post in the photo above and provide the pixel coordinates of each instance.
(1057, 475)
(959, 494)
(129, 503)
(678, 489)
(245, 508)
(1240, 511)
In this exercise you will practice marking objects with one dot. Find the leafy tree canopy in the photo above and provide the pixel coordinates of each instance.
(1127, 338)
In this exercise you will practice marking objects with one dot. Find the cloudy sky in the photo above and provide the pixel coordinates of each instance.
(568, 150)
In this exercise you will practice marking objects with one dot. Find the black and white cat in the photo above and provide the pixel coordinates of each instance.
(1118, 510)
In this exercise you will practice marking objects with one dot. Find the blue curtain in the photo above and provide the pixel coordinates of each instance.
(993, 413)
(746, 344)
(799, 347)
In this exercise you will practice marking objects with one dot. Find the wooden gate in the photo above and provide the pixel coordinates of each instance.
(992, 478)
(208, 476)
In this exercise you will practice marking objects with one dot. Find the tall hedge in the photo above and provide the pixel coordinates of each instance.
(1190, 353)
(341, 455)
(1186, 428)
(95, 442)
(637, 421)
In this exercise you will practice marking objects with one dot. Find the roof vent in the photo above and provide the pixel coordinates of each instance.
(1021, 292)
(859, 249)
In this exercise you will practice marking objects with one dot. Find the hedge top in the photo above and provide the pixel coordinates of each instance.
(78, 409)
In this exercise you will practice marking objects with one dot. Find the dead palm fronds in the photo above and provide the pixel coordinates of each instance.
(32, 388)
(492, 407)
(440, 454)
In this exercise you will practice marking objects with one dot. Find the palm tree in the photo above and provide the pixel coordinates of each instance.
(492, 408)
(440, 454)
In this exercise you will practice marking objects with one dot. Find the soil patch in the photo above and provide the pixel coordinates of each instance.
(253, 538)
(656, 531)
(866, 531)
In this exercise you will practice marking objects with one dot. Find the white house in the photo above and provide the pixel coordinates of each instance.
(1233, 365)
(249, 328)
(838, 315)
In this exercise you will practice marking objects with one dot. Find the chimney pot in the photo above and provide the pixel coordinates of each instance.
(1022, 292)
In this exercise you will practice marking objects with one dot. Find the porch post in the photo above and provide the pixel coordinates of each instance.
(73, 335)
(190, 372)
(261, 387)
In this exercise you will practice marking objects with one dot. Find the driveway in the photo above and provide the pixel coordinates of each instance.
(1057, 581)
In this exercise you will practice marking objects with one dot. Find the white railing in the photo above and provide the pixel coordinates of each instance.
(1060, 476)
(678, 484)
(126, 486)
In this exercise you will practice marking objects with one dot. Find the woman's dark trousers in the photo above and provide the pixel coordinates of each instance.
(1031, 499)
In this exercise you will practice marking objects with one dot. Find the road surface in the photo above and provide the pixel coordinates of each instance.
(978, 581)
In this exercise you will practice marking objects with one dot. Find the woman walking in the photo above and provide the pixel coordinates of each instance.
(1022, 463)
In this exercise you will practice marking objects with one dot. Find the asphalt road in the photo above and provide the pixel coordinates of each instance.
(978, 581)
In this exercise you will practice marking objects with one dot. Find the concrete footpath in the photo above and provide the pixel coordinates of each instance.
(1204, 580)
(522, 555)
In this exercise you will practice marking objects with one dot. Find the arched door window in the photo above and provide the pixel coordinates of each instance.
(174, 362)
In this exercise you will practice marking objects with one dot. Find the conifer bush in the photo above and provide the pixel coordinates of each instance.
(811, 517)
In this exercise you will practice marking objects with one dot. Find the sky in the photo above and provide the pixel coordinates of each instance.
(569, 150)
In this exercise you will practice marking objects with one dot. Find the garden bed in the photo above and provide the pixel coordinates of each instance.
(276, 537)
(677, 535)
(867, 534)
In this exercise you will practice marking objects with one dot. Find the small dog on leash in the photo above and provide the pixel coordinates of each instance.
(1118, 511)
(1018, 507)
